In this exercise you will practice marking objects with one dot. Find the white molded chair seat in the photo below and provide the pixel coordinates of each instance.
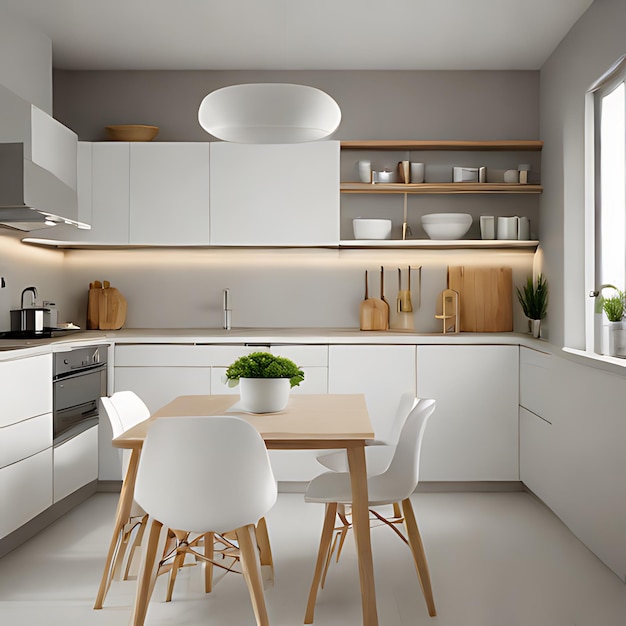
(395, 484)
(378, 453)
(217, 478)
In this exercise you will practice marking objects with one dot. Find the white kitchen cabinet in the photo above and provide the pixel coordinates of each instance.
(275, 195)
(382, 373)
(25, 440)
(572, 449)
(25, 490)
(473, 434)
(75, 463)
(169, 193)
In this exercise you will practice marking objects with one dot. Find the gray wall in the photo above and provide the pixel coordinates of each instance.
(375, 104)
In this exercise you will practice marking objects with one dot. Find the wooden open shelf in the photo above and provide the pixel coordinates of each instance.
(510, 145)
(444, 188)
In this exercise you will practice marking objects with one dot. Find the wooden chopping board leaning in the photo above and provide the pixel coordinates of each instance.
(486, 298)
(106, 307)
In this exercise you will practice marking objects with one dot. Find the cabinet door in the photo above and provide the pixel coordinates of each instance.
(169, 193)
(25, 490)
(75, 463)
(473, 434)
(110, 188)
(25, 388)
(275, 194)
(382, 373)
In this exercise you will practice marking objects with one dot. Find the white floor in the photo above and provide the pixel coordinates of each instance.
(496, 559)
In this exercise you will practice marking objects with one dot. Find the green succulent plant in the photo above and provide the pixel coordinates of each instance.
(614, 306)
(264, 365)
(534, 297)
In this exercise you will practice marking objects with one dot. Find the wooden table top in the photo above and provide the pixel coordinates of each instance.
(308, 422)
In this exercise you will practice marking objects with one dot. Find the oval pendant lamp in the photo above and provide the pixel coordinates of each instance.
(269, 113)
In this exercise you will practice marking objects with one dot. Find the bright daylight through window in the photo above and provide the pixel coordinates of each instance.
(606, 213)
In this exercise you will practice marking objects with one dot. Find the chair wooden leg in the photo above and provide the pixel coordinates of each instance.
(136, 543)
(148, 572)
(179, 559)
(322, 554)
(265, 553)
(396, 510)
(251, 566)
(417, 548)
(209, 552)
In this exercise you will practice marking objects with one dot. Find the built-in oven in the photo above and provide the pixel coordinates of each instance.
(79, 381)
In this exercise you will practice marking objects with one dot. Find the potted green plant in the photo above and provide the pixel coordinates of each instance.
(264, 380)
(534, 300)
(613, 308)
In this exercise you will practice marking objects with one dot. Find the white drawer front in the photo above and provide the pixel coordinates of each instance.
(25, 490)
(25, 388)
(75, 463)
(25, 439)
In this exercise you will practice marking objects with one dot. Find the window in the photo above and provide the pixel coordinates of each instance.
(606, 192)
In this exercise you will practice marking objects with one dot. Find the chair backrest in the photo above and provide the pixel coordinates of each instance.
(405, 406)
(205, 473)
(129, 408)
(402, 476)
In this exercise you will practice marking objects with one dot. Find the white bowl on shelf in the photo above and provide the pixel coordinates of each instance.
(446, 225)
(371, 228)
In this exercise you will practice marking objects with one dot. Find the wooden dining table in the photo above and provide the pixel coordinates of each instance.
(309, 422)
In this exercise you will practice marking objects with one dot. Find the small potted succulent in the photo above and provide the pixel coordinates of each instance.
(614, 308)
(264, 380)
(534, 301)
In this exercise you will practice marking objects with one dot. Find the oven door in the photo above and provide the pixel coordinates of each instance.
(76, 403)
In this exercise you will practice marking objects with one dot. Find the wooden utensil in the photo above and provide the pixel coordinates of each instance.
(486, 298)
(374, 313)
(404, 303)
(382, 295)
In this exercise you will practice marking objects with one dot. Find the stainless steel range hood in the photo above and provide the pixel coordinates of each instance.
(31, 197)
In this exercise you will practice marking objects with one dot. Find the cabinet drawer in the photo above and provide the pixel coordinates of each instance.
(25, 490)
(25, 388)
(75, 463)
(25, 438)
(537, 382)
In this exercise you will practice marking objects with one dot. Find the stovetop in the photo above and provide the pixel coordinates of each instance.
(46, 333)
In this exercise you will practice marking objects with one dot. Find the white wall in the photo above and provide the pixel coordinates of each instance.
(587, 51)
(25, 61)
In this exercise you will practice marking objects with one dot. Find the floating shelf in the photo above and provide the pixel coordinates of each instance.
(434, 244)
(443, 188)
(506, 145)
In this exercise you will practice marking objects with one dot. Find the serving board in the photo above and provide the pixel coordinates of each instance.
(485, 298)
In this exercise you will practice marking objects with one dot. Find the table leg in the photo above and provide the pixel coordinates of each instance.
(122, 514)
(360, 522)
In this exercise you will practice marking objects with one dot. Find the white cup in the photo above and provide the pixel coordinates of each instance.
(487, 227)
(365, 171)
(509, 228)
(523, 229)
(417, 172)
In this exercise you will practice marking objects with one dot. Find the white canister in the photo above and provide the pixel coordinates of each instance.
(487, 227)
(417, 172)
(508, 227)
(365, 171)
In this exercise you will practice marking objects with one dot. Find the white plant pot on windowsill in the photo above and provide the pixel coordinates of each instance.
(264, 395)
(614, 339)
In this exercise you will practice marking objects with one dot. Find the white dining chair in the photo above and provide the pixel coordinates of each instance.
(125, 409)
(217, 479)
(395, 484)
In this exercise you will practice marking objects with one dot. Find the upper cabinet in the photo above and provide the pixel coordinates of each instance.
(144, 193)
(275, 195)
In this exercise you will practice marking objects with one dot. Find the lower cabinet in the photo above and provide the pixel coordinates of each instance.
(572, 449)
(25, 490)
(473, 433)
(75, 463)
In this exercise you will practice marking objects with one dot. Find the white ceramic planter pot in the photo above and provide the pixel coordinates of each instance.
(614, 340)
(534, 328)
(264, 395)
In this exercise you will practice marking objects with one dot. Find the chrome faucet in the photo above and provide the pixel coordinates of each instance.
(227, 310)
(32, 290)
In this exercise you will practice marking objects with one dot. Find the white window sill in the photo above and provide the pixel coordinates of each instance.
(606, 362)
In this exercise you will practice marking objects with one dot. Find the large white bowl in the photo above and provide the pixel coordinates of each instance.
(370, 228)
(446, 225)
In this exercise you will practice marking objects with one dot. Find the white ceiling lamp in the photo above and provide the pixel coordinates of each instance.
(269, 113)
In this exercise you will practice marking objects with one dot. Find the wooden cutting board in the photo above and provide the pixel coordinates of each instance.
(485, 298)
(106, 309)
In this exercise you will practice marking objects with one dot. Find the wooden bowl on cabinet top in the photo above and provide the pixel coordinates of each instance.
(131, 132)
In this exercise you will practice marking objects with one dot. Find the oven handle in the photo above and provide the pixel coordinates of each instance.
(77, 370)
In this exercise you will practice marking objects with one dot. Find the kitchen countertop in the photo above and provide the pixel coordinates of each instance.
(27, 347)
